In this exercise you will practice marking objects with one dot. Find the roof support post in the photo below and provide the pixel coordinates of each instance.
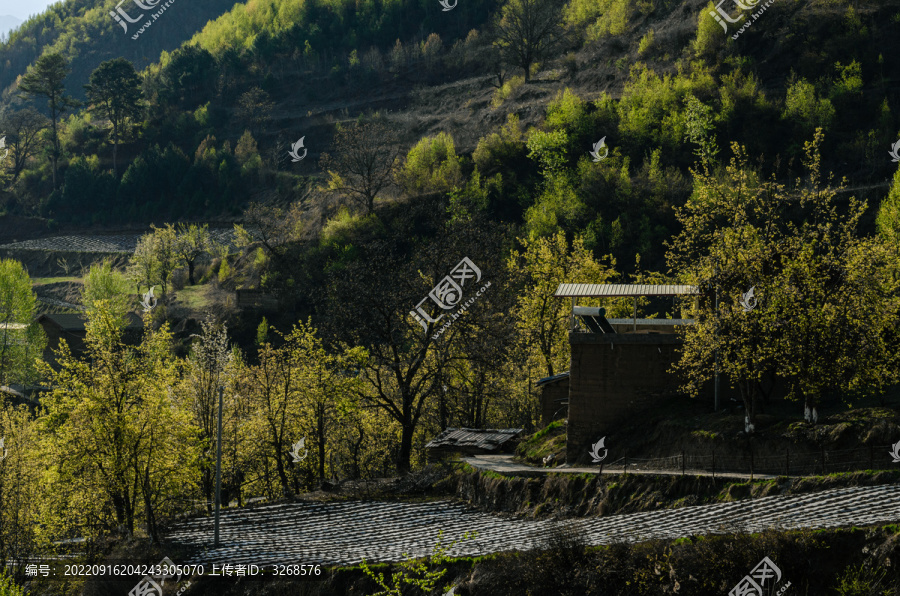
(572, 317)
(634, 315)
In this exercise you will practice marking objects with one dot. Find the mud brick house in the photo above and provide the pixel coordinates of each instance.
(554, 397)
(619, 367)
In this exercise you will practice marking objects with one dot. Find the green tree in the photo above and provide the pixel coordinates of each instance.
(806, 109)
(710, 36)
(526, 30)
(119, 451)
(155, 258)
(888, 220)
(431, 166)
(826, 298)
(22, 340)
(191, 243)
(20, 485)
(542, 319)
(700, 130)
(8, 586)
(274, 389)
(210, 365)
(254, 108)
(45, 79)
(115, 94)
(104, 285)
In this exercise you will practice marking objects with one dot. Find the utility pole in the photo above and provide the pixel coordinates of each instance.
(218, 469)
(716, 377)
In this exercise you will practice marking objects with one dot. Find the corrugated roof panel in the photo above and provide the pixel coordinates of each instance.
(568, 290)
(488, 439)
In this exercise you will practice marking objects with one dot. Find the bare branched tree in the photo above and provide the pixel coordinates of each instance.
(23, 129)
(363, 162)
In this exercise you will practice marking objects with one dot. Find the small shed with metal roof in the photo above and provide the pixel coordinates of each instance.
(473, 441)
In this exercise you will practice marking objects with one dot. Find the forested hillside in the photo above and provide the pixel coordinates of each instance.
(84, 32)
(318, 184)
(214, 120)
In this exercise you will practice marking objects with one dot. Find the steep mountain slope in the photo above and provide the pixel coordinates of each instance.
(85, 33)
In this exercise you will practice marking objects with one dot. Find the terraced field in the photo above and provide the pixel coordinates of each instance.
(116, 243)
(345, 532)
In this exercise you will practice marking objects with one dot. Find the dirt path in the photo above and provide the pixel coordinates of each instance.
(504, 464)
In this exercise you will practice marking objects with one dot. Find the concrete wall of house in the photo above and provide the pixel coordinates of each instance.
(613, 377)
(552, 397)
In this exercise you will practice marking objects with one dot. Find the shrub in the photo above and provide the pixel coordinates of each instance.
(646, 44)
(803, 106)
(431, 166)
(862, 581)
(557, 208)
(606, 17)
(549, 149)
(506, 90)
(8, 587)
(709, 34)
(497, 149)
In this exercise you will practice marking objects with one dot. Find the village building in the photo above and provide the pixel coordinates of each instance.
(471, 441)
(618, 367)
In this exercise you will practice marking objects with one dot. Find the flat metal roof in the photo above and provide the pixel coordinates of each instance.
(651, 321)
(622, 290)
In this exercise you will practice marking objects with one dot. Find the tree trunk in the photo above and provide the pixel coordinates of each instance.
(750, 402)
(54, 157)
(405, 454)
(190, 265)
(115, 151)
(282, 476)
(148, 509)
(321, 440)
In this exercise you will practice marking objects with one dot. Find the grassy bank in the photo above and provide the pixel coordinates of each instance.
(570, 495)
